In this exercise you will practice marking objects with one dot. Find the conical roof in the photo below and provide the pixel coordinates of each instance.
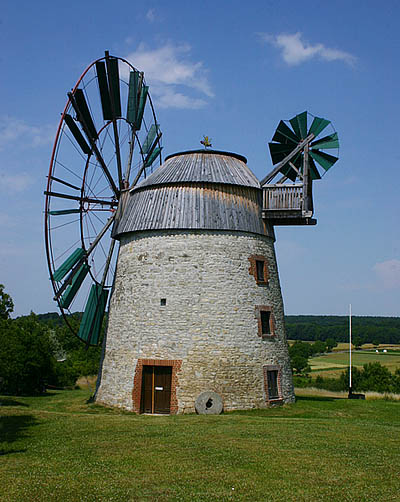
(203, 166)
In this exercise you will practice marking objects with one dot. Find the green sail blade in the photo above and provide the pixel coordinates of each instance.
(152, 157)
(324, 159)
(73, 288)
(63, 211)
(284, 134)
(72, 260)
(84, 115)
(314, 174)
(132, 97)
(113, 80)
(289, 172)
(318, 125)
(279, 151)
(89, 329)
(299, 124)
(331, 141)
(77, 134)
(103, 87)
(142, 104)
(148, 142)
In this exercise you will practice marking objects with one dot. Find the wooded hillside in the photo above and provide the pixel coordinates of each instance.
(368, 329)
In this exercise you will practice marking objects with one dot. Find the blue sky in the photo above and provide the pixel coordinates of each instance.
(230, 70)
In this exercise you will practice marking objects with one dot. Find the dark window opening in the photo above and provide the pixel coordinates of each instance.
(260, 270)
(163, 302)
(265, 322)
(272, 379)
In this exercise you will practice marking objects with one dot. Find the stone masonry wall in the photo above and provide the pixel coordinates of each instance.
(210, 321)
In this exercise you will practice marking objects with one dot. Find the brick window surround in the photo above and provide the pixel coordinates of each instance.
(268, 309)
(266, 369)
(137, 381)
(253, 259)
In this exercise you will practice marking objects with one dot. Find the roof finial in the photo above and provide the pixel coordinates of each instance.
(206, 142)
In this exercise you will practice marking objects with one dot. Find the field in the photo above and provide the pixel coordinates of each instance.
(332, 364)
(60, 448)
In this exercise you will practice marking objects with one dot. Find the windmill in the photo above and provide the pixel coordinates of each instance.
(196, 318)
(296, 151)
(107, 140)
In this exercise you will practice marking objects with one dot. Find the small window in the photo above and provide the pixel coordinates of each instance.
(260, 270)
(272, 380)
(272, 383)
(265, 322)
(163, 302)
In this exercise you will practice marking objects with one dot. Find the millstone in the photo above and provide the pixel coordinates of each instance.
(209, 403)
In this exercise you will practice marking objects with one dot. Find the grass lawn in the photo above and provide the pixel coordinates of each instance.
(333, 363)
(59, 448)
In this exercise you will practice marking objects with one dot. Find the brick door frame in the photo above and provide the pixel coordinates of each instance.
(137, 381)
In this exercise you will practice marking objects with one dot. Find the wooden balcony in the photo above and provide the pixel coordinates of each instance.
(283, 204)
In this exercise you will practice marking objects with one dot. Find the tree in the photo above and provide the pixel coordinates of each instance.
(6, 304)
(26, 356)
(300, 349)
(300, 364)
(318, 347)
(357, 342)
(330, 343)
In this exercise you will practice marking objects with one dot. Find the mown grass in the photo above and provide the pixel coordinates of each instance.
(332, 364)
(60, 448)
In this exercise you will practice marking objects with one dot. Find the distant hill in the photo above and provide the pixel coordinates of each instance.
(369, 329)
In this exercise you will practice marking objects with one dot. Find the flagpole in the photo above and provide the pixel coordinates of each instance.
(350, 383)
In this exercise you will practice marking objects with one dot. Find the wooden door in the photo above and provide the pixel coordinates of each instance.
(156, 389)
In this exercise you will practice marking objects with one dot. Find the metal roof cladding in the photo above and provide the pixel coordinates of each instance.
(195, 190)
(202, 166)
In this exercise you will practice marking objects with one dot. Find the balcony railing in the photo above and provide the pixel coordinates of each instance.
(283, 197)
(283, 204)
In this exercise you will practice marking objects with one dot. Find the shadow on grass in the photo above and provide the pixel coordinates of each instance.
(10, 401)
(12, 429)
(317, 398)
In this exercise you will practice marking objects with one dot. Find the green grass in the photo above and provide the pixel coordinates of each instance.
(59, 448)
(332, 364)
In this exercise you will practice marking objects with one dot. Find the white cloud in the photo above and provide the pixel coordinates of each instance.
(13, 131)
(15, 182)
(150, 15)
(170, 98)
(388, 273)
(295, 50)
(172, 75)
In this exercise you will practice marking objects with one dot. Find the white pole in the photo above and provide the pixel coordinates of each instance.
(350, 344)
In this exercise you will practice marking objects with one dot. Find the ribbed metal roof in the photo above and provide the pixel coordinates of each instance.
(203, 166)
(233, 208)
(195, 190)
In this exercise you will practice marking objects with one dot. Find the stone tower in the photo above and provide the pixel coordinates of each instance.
(196, 304)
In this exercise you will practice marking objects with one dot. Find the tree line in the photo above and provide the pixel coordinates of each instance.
(370, 329)
(39, 351)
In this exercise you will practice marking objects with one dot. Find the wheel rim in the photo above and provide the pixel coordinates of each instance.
(89, 170)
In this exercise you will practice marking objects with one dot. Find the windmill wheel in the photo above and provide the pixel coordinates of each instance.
(107, 139)
(295, 137)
